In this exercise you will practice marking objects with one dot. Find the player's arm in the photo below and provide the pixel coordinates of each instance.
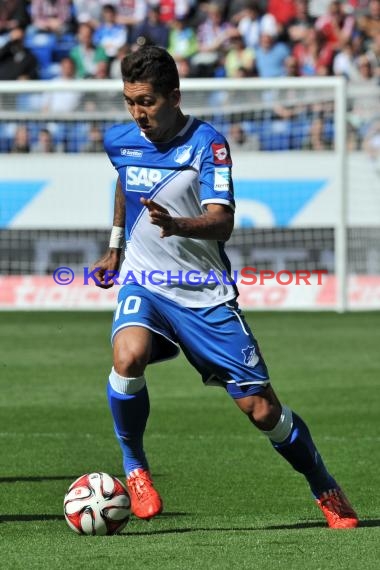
(111, 259)
(215, 224)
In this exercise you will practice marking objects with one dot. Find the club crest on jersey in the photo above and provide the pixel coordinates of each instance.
(250, 356)
(182, 154)
(220, 153)
(140, 179)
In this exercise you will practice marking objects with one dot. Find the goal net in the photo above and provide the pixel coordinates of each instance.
(306, 155)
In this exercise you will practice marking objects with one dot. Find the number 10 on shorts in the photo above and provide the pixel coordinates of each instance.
(128, 306)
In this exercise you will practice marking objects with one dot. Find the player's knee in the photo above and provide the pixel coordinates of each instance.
(283, 427)
(131, 351)
(265, 416)
(130, 360)
(263, 413)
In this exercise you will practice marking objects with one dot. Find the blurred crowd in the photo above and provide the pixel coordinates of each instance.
(79, 39)
(208, 39)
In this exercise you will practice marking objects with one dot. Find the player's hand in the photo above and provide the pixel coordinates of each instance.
(159, 216)
(105, 266)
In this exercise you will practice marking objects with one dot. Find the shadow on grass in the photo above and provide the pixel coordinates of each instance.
(29, 518)
(37, 479)
(41, 478)
(296, 526)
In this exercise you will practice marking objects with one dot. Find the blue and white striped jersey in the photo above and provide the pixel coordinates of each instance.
(182, 175)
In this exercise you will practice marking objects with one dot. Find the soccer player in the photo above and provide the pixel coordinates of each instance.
(174, 201)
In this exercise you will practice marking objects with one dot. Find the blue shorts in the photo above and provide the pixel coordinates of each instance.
(216, 340)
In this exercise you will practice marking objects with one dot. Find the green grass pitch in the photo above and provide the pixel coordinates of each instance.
(230, 501)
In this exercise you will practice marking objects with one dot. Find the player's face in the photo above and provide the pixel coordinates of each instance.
(157, 116)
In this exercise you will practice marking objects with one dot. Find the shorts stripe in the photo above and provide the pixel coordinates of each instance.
(144, 326)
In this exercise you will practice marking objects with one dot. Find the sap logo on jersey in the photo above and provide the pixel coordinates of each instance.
(142, 179)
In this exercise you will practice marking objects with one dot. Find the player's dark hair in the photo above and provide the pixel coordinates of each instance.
(151, 64)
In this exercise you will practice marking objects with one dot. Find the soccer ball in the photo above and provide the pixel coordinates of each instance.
(97, 503)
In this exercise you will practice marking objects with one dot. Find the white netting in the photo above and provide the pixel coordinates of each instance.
(272, 118)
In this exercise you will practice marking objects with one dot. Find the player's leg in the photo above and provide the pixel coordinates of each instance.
(226, 352)
(291, 438)
(289, 435)
(129, 403)
(140, 336)
(133, 348)
(128, 395)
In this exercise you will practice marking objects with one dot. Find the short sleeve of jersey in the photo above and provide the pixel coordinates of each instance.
(215, 177)
(107, 142)
(115, 138)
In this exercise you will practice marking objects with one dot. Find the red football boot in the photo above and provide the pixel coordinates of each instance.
(337, 510)
(146, 503)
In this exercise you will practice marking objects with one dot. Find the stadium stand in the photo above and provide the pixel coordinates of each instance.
(209, 39)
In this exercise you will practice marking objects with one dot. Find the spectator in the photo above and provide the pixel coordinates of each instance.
(268, 25)
(115, 66)
(232, 9)
(369, 24)
(357, 7)
(63, 101)
(13, 14)
(318, 7)
(282, 10)
(366, 103)
(88, 11)
(313, 54)
(85, 54)
(247, 21)
(271, 56)
(17, 61)
(366, 74)
(318, 139)
(21, 141)
(371, 143)
(238, 139)
(45, 143)
(51, 16)
(344, 62)
(152, 29)
(95, 143)
(182, 39)
(110, 35)
(358, 44)
(213, 36)
(184, 67)
(102, 70)
(373, 55)
(239, 59)
(173, 9)
(130, 12)
(336, 25)
(214, 33)
(303, 21)
(291, 67)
